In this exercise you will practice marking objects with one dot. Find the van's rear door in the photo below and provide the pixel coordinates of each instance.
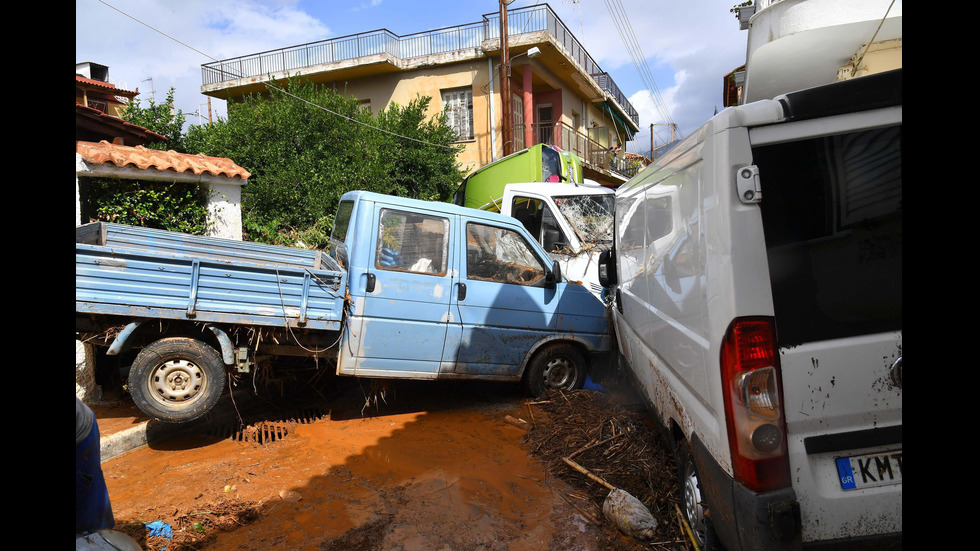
(832, 214)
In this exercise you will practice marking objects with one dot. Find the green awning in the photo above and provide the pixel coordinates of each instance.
(628, 128)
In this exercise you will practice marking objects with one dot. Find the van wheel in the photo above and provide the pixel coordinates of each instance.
(694, 504)
(176, 379)
(560, 366)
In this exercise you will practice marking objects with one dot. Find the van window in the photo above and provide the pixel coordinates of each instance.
(550, 165)
(540, 223)
(501, 255)
(832, 216)
(338, 249)
(412, 242)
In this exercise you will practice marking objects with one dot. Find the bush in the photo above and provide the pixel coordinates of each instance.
(174, 207)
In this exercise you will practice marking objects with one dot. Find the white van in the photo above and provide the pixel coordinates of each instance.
(757, 283)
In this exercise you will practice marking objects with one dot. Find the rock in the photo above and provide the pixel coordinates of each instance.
(629, 515)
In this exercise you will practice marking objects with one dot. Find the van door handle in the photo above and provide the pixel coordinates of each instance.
(462, 292)
(371, 280)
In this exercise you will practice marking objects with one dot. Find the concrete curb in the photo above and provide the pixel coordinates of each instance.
(148, 432)
(121, 442)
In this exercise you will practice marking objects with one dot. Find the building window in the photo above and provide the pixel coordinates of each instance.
(99, 105)
(458, 104)
(517, 103)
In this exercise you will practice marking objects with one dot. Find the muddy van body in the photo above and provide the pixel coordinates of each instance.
(757, 276)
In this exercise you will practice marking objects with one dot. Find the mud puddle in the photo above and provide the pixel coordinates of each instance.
(427, 467)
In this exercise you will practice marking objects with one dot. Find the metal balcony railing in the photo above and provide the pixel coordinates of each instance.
(449, 39)
(590, 151)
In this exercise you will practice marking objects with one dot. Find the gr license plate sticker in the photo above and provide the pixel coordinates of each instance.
(865, 471)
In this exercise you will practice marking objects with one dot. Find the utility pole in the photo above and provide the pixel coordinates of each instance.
(507, 114)
(673, 127)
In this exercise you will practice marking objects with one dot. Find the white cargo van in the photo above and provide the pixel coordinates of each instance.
(757, 276)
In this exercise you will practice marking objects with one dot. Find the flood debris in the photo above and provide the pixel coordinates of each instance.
(629, 515)
(517, 422)
(622, 509)
(623, 450)
(192, 530)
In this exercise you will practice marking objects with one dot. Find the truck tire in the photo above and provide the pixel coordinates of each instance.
(177, 379)
(694, 504)
(560, 366)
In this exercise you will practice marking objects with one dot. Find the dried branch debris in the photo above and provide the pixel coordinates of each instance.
(622, 447)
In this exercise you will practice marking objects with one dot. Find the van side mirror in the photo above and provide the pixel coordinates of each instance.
(552, 240)
(607, 268)
(553, 276)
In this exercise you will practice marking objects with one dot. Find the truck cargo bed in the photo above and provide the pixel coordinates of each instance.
(130, 271)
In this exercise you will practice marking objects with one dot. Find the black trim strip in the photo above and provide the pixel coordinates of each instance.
(849, 96)
(842, 441)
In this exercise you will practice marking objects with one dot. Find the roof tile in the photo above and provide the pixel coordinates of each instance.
(143, 158)
(108, 86)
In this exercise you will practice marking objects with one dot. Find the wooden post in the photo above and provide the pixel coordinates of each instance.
(507, 111)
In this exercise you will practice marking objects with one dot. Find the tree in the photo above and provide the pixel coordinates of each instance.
(169, 206)
(308, 146)
(160, 118)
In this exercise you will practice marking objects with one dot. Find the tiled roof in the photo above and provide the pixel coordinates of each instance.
(105, 119)
(146, 159)
(108, 87)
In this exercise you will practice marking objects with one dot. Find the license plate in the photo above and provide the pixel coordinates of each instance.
(874, 469)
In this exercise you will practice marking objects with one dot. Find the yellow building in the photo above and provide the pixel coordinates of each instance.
(93, 90)
(559, 95)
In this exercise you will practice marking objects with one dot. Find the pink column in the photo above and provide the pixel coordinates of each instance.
(528, 108)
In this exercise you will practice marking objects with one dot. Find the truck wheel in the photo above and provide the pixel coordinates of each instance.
(559, 366)
(694, 504)
(176, 379)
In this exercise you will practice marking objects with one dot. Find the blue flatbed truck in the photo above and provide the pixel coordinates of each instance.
(409, 289)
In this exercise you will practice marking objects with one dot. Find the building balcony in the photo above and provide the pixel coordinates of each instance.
(379, 51)
(594, 155)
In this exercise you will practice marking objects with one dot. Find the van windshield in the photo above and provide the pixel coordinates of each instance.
(591, 216)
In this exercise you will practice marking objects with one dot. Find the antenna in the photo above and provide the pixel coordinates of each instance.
(581, 27)
(200, 115)
(152, 91)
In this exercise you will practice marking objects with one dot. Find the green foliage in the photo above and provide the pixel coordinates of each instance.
(159, 118)
(307, 147)
(175, 207)
(735, 9)
(314, 237)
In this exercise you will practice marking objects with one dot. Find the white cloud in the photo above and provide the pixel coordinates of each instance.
(689, 45)
(698, 39)
(169, 41)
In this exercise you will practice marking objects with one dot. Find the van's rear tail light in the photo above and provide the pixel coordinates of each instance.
(756, 426)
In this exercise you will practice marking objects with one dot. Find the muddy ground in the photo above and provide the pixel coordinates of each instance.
(412, 466)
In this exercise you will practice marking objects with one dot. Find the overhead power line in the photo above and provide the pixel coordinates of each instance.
(625, 30)
(341, 115)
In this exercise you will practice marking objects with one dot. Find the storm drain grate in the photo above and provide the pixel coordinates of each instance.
(267, 431)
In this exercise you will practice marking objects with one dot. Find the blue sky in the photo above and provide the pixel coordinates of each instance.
(688, 46)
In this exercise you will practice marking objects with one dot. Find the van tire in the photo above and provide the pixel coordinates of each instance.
(176, 379)
(693, 502)
(560, 366)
